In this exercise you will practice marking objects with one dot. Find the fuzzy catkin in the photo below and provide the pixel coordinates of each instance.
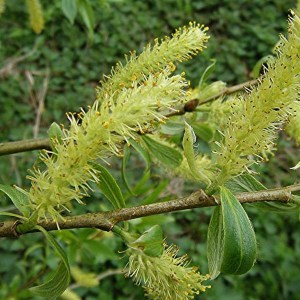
(293, 126)
(165, 277)
(2, 6)
(185, 43)
(251, 129)
(36, 17)
(99, 131)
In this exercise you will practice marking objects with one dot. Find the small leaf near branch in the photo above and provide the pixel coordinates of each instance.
(247, 183)
(19, 199)
(231, 242)
(215, 243)
(239, 251)
(207, 72)
(60, 278)
(110, 188)
(165, 154)
(189, 139)
(151, 242)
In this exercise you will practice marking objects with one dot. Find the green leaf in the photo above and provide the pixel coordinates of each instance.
(87, 13)
(188, 141)
(69, 8)
(142, 152)
(215, 243)
(204, 132)
(240, 249)
(206, 74)
(19, 199)
(4, 213)
(151, 241)
(110, 188)
(55, 134)
(126, 154)
(165, 154)
(172, 128)
(247, 183)
(264, 60)
(60, 278)
(244, 183)
(156, 192)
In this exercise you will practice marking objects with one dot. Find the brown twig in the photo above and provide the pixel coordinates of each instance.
(40, 99)
(12, 62)
(35, 144)
(191, 105)
(106, 220)
(24, 145)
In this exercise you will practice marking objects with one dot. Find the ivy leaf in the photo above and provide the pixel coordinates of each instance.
(167, 155)
(60, 278)
(151, 242)
(110, 188)
(19, 199)
(240, 249)
(215, 243)
(69, 8)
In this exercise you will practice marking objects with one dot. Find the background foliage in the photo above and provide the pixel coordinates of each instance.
(242, 32)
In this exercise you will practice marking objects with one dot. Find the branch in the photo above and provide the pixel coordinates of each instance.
(24, 145)
(106, 220)
(190, 106)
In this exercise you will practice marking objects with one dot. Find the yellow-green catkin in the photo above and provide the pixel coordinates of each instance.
(165, 277)
(185, 43)
(99, 132)
(293, 126)
(2, 6)
(36, 17)
(251, 129)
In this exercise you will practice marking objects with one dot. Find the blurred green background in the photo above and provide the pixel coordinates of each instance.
(67, 64)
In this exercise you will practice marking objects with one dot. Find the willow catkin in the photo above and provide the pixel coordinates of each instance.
(36, 17)
(252, 128)
(2, 6)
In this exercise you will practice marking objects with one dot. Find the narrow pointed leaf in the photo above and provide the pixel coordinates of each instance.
(153, 197)
(60, 278)
(142, 152)
(87, 13)
(189, 139)
(215, 243)
(165, 154)
(207, 72)
(109, 187)
(151, 241)
(247, 183)
(244, 183)
(19, 199)
(126, 154)
(69, 8)
(240, 249)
